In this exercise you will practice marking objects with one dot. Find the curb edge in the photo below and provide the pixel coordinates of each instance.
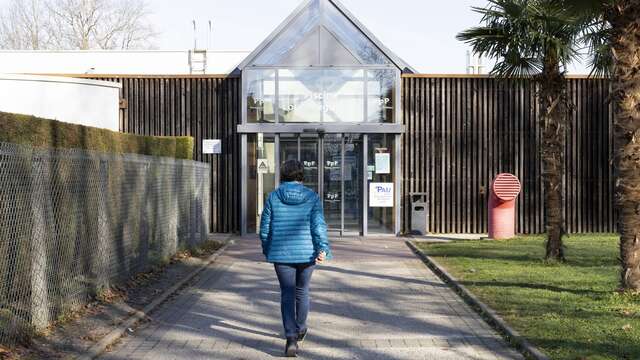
(487, 314)
(101, 346)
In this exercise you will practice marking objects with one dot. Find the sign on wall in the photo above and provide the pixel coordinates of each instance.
(380, 194)
(211, 146)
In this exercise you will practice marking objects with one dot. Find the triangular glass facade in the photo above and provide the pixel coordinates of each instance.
(320, 35)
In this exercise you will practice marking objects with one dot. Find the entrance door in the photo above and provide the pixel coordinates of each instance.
(340, 167)
(335, 173)
(343, 185)
(332, 198)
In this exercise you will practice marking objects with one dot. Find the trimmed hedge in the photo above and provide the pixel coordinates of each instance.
(45, 133)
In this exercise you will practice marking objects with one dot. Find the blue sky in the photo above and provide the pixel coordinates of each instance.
(422, 32)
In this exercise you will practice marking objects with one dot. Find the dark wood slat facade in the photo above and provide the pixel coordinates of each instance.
(202, 107)
(461, 132)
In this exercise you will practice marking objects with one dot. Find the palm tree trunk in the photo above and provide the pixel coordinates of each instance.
(553, 123)
(625, 20)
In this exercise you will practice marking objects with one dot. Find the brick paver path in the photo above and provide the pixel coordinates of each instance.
(376, 300)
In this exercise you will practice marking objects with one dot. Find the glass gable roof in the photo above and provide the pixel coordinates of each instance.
(320, 35)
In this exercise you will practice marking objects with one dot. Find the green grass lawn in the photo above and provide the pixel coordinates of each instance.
(570, 310)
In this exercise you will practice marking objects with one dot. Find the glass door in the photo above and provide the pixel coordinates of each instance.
(353, 183)
(288, 147)
(333, 168)
(381, 162)
(310, 159)
(332, 181)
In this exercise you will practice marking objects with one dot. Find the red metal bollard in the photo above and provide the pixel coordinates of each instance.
(502, 205)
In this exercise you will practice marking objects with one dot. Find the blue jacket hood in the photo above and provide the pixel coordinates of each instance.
(293, 193)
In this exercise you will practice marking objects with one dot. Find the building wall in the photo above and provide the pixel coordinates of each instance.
(202, 107)
(77, 101)
(461, 132)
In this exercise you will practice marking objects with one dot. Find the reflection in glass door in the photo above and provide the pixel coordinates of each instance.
(333, 168)
(309, 158)
(288, 147)
(332, 184)
(352, 177)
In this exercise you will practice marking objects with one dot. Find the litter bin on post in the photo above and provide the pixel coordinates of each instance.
(419, 215)
(502, 203)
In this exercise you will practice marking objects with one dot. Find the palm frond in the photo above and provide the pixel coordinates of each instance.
(520, 33)
(596, 39)
(515, 65)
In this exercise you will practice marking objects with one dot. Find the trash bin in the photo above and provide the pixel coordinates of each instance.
(502, 204)
(419, 214)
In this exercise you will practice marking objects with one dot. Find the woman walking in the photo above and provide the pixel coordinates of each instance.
(294, 238)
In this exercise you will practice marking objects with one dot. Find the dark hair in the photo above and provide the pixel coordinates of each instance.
(292, 170)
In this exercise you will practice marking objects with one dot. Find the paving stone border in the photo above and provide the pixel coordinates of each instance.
(101, 346)
(488, 314)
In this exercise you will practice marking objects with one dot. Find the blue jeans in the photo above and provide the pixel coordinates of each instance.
(294, 295)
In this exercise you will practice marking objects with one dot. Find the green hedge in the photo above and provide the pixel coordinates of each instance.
(45, 133)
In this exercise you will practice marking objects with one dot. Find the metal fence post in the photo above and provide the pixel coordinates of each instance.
(193, 214)
(104, 236)
(40, 232)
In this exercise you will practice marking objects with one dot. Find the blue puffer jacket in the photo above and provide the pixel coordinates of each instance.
(292, 227)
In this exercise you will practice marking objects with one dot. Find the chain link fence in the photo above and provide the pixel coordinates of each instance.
(74, 222)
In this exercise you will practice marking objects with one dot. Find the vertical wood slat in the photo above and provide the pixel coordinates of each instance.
(202, 107)
(460, 133)
(457, 140)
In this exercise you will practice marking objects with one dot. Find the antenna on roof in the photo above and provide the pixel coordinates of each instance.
(195, 35)
(474, 63)
(209, 36)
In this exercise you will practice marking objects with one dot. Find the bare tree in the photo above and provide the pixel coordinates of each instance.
(25, 25)
(76, 24)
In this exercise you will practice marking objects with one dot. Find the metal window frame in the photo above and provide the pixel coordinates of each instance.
(365, 184)
(320, 145)
(321, 128)
(365, 68)
(396, 128)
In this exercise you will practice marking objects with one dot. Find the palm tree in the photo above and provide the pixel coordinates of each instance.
(535, 39)
(624, 19)
(614, 38)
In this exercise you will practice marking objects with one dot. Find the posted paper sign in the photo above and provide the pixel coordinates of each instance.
(211, 146)
(383, 163)
(263, 166)
(380, 194)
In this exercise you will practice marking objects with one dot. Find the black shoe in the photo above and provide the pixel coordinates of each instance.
(291, 349)
(302, 335)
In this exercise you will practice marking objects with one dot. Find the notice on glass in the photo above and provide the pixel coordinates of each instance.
(383, 163)
(380, 194)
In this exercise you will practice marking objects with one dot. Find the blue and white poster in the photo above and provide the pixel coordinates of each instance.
(380, 194)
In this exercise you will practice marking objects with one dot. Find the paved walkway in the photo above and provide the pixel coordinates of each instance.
(376, 300)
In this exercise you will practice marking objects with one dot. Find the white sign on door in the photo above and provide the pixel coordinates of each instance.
(383, 163)
(211, 146)
(263, 166)
(380, 194)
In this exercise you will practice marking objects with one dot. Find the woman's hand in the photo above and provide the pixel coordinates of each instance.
(320, 258)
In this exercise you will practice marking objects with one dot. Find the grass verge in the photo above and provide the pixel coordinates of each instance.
(569, 311)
